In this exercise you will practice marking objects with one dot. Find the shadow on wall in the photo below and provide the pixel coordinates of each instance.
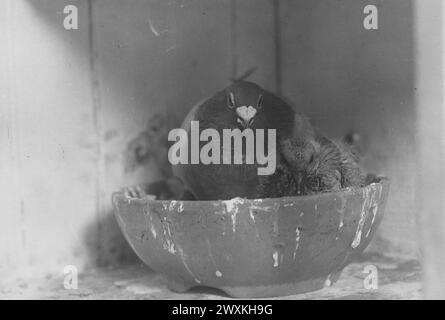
(112, 249)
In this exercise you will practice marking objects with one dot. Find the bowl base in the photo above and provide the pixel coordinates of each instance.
(266, 291)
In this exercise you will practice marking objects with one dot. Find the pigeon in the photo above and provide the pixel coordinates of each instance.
(307, 162)
(326, 166)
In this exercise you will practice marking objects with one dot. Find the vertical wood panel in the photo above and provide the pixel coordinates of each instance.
(256, 42)
(347, 78)
(50, 131)
(431, 131)
(10, 184)
(76, 102)
(277, 46)
(153, 56)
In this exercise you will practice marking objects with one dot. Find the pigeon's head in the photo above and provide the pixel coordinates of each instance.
(245, 100)
(245, 105)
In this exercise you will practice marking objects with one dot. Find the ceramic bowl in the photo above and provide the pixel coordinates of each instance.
(253, 247)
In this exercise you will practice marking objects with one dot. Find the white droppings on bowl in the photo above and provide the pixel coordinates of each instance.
(275, 259)
(232, 204)
(183, 259)
(365, 207)
(297, 241)
(153, 230)
(212, 258)
(254, 207)
(328, 281)
(288, 205)
(374, 205)
(341, 211)
(168, 243)
(232, 209)
(176, 205)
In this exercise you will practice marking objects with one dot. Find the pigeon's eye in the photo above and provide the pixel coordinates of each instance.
(260, 102)
(231, 100)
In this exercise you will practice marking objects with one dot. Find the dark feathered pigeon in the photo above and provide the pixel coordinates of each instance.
(307, 162)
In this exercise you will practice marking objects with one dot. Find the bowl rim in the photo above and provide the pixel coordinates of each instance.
(379, 180)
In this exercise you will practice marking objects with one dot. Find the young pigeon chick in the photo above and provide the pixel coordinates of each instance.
(352, 173)
(323, 165)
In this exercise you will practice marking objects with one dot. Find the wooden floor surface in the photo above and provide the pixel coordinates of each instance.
(397, 279)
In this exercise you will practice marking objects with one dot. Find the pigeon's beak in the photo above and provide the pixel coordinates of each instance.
(246, 116)
(245, 124)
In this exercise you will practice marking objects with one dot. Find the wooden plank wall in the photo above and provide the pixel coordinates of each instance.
(430, 136)
(72, 100)
(347, 78)
(48, 144)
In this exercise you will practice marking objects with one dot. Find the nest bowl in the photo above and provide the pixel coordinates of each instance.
(252, 248)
